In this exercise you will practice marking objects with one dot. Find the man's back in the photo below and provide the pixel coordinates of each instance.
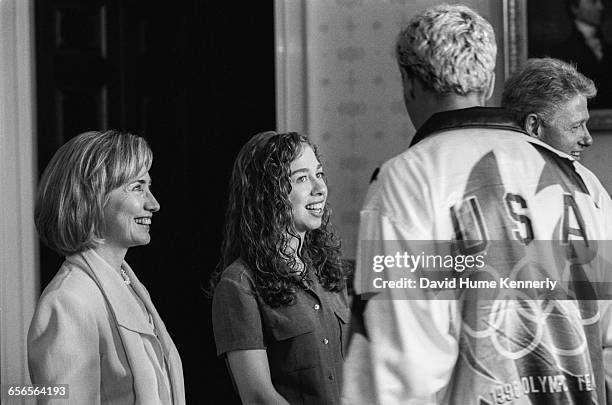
(498, 193)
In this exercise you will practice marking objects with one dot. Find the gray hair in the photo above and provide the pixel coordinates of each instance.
(542, 86)
(449, 48)
(76, 183)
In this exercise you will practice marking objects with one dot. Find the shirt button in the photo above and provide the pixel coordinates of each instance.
(325, 341)
(331, 377)
(316, 307)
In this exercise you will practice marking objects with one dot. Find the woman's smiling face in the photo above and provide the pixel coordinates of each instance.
(128, 213)
(308, 191)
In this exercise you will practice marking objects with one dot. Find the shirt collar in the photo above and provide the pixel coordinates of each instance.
(587, 30)
(473, 117)
(478, 117)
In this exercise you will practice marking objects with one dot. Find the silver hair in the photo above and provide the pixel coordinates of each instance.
(542, 86)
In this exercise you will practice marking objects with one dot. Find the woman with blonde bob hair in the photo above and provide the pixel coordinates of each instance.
(95, 327)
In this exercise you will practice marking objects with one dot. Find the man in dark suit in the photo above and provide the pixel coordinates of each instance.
(587, 48)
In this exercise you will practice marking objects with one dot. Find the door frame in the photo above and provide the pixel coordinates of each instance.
(18, 242)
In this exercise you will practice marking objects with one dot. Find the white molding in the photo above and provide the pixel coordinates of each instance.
(291, 70)
(19, 273)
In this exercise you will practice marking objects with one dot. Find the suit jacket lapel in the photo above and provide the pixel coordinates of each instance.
(129, 315)
(126, 309)
(175, 371)
(144, 296)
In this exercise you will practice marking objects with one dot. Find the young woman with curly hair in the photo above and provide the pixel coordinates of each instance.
(280, 307)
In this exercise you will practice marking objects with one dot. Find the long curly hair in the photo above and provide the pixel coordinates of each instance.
(259, 223)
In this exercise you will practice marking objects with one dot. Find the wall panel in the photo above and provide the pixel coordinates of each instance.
(342, 87)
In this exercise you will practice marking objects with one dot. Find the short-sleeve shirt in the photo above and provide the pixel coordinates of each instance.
(305, 342)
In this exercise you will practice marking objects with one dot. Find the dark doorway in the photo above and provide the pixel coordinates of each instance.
(196, 78)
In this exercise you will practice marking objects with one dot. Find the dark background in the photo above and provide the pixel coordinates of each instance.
(549, 23)
(196, 78)
(550, 28)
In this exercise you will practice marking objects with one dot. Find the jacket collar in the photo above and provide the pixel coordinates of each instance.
(128, 313)
(481, 117)
(474, 117)
(124, 305)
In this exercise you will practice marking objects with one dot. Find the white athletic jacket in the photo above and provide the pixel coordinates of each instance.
(504, 194)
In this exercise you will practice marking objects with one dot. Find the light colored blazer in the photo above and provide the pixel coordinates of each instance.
(89, 331)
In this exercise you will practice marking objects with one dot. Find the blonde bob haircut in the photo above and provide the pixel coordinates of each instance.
(75, 186)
